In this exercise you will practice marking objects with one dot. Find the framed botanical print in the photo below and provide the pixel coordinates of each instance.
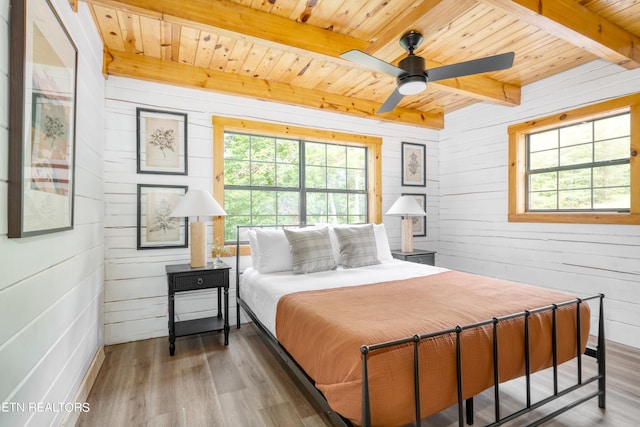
(414, 165)
(42, 121)
(419, 222)
(162, 142)
(156, 227)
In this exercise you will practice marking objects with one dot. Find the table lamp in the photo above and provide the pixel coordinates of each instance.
(198, 203)
(406, 207)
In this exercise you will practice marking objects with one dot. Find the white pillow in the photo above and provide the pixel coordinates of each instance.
(273, 251)
(382, 242)
(253, 244)
(335, 245)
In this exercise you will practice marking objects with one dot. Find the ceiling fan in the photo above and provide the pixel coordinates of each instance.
(411, 75)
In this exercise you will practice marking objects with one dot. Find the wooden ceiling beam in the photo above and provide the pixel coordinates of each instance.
(480, 87)
(574, 23)
(276, 31)
(244, 22)
(163, 71)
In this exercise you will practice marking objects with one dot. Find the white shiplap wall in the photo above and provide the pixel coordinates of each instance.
(51, 286)
(475, 235)
(135, 286)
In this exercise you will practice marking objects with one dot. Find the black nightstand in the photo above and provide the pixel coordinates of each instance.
(418, 255)
(183, 278)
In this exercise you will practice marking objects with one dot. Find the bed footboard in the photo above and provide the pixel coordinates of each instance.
(598, 353)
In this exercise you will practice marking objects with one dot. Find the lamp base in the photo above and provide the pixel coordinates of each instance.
(407, 235)
(198, 232)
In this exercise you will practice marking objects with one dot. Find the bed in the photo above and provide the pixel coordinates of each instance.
(391, 342)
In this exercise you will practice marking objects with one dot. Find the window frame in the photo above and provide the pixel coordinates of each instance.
(518, 167)
(226, 124)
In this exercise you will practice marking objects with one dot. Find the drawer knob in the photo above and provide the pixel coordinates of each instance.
(200, 281)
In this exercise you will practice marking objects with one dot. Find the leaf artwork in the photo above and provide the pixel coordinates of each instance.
(413, 165)
(163, 139)
(156, 227)
(162, 221)
(53, 128)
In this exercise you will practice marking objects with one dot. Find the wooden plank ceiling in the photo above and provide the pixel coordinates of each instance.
(288, 50)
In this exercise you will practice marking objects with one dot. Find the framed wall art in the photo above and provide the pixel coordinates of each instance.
(161, 142)
(419, 222)
(42, 121)
(414, 168)
(156, 227)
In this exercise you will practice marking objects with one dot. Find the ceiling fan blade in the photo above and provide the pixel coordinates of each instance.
(392, 101)
(371, 62)
(475, 66)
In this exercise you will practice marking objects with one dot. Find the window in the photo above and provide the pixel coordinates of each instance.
(270, 180)
(271, 174)
(578, 167)
(582, 167)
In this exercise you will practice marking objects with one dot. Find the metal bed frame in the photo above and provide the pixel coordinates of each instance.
(598, 353)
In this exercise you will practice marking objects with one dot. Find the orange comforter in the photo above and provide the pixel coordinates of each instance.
(324, 330)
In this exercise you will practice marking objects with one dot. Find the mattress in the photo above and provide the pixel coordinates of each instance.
(262, 292)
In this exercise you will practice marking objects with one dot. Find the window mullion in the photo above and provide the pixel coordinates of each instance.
(593, 159)
(302, 187)
(581, 166)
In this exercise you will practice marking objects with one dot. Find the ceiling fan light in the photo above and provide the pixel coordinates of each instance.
(412, 87)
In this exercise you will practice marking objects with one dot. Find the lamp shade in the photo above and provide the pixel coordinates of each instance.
(197, 203)
(406, 206)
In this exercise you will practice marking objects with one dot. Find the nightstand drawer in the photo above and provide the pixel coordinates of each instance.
(419, 256)
(197, 281)
(422, 259)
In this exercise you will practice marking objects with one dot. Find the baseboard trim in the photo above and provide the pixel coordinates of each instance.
(85, 387)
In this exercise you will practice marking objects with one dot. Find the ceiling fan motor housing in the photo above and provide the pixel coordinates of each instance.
(414, 67)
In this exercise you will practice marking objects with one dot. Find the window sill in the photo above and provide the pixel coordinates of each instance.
(576, 217)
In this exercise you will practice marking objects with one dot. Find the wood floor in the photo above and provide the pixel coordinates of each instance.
(245, 384)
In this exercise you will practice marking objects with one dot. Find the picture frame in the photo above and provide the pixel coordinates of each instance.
(161, 142)
(42, 121)
(414, 161)
(156, 228)
(419, 222)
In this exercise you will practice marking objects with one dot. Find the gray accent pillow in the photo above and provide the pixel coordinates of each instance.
(310, 250)
(357, 246)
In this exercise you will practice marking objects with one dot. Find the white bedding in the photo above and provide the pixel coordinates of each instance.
(263, 291)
